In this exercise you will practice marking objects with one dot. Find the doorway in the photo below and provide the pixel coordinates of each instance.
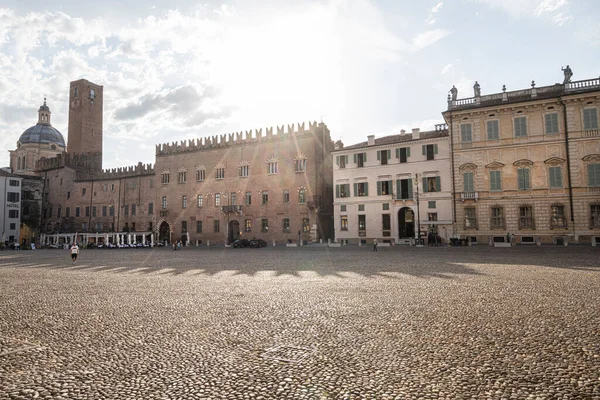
(234, 231)
(406, 223)
(164, 232)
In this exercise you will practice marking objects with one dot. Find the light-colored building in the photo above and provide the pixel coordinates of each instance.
(527, 162)
(10, 206)
(377, 182)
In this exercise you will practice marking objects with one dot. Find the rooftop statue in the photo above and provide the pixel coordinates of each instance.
(454, 92)
(477, 89)
(568, 74)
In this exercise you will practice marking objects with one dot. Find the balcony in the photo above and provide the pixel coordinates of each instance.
(594, 189)
(591, 132)
(469, 196)
(231, 209)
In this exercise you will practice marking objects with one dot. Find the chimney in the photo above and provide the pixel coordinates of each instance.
(402, 131)
(415, 133)
(338, 145)
(371, 140)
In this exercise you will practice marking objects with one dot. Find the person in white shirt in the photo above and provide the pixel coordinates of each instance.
(74, 252)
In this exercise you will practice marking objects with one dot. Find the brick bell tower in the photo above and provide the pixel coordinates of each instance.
(86, 100)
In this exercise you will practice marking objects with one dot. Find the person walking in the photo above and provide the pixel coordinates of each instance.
(74, 252)
(375, 245)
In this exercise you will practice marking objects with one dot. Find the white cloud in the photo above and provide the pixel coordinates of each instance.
(431, 17)
(447, 68)
(428, 38)
(555, 11)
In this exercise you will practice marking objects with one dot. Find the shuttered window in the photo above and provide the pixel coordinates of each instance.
(590, 119)
(594, 175)
(495, 181)
(466, 134)
(403, 153)
(551, 123)
(555, 177)
(468, 183)
(493, 131)
(523, 179)
(521, 127)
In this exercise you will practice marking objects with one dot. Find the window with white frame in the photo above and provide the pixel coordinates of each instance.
(493, 130)
(244, 171)
(300, 165)
(301, 195)
(551, 123)
(342, 190)
(181, 176)
(520, 126)
(590, 119)
(217, 199)
(199, 201)
(183, 202)
(200, 175)
(265, 197)
(341, 161)
(497, 218)
(286, 225)
(557, 216)
(286, 195)
(526, 220)
(594, 215)
(272, 167)
(164, 202)
(165, 177)
(344, 223)
(220, 173)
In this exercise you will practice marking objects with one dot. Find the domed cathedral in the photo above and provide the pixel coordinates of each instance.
(40, 141)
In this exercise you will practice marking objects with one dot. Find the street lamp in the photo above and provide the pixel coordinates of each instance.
(418, 210)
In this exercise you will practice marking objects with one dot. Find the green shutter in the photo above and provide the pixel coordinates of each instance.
(366, 188)
(397, 153)
(495, 183)
(355, 159)
(410, 189)
(438, 184)
(594, 175)
(389, 154)
(520, 178)
(365, 158)
(424, 147)
(378, 155)
(337, 160)
(356, 190)
(337, 191)
(435, 149)
(424, 185)
(398, 189)
(378, 188)
(555, 177)
(527, 183)
(407, 152)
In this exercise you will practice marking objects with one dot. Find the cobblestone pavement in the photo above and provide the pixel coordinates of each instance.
(403, 323)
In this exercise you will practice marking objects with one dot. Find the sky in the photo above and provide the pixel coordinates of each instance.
(177, 70)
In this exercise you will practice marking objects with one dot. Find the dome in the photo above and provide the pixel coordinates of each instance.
(42, 133)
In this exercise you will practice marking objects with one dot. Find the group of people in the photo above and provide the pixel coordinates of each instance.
(177, 245)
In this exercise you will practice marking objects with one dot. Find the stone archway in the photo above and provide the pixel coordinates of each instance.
(406, 223)
(234, 231)
(164, 232)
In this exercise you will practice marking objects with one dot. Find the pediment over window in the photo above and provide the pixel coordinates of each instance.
(182, 169)
(201, 168)
(467, 167)
(554, 161)
(219, 165)
(272, 159)
(300, 156)
(591, 158)
(494, 165)
(523, 163)
(165, 171)
(244, 163)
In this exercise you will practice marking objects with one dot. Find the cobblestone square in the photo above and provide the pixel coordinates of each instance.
(402, 323)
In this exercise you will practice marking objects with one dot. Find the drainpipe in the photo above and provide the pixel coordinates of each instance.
(568, 162)
(453, 177)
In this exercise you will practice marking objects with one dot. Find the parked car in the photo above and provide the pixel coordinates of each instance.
(258, 243)
(241, 243)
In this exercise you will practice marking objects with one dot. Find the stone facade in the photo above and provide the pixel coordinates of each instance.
(376, 187)
(10, 206)
(86, 101)
(269, 186)
(524, 163)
